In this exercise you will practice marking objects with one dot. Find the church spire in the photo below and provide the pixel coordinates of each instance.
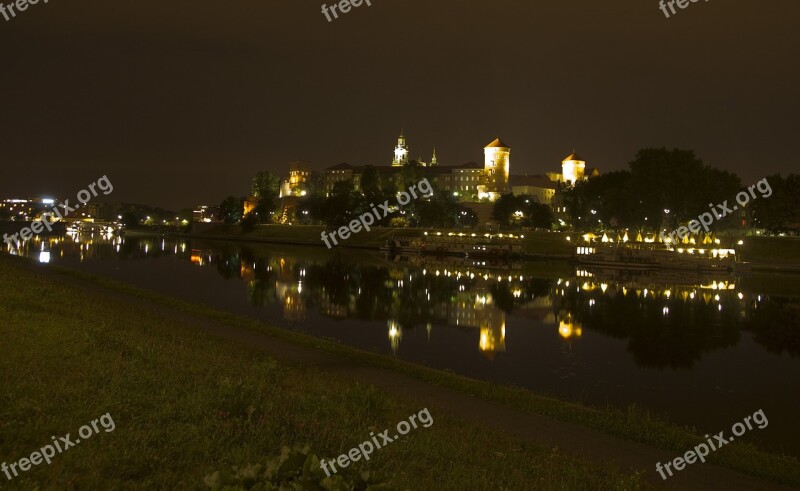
(401, 151)
(434, 160)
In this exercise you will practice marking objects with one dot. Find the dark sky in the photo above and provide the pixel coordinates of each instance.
(181, 102)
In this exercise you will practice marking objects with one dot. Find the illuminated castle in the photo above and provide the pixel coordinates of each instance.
(468, 182)
(497, 165)
(573, 169)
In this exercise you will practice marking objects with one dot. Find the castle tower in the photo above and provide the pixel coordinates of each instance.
(497, 166)
(400, 152)
(573, 169)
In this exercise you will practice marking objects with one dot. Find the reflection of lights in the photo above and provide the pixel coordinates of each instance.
(395, 334)
(665, 311)
(44, 257)
(591, 302)
(569, 331)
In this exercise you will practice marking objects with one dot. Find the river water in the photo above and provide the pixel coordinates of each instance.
(705, 351)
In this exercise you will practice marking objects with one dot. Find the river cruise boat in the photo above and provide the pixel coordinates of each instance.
(657, 256)
(459, 245)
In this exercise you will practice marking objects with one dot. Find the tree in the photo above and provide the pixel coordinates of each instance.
(778, 211)
(231, 209)
(130, 219)
(507, 207)
(662, 189)
(539, 215)
(342, 204)
(266, 191)
(678, 181)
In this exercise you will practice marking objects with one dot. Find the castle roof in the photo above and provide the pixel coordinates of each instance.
(497, 144)
(343, 166)
(573, 156)
(532, 181)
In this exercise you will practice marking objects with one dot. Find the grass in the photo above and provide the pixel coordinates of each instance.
(308, 234)
(186, 404)
(770, 249)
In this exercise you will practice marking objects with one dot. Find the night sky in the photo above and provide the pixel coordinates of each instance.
(181, 102)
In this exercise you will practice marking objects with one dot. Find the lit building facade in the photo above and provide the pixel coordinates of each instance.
(497, 167)
(297, 183)
(468, 182)
(540, 188)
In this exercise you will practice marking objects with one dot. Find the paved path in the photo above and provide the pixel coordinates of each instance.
(529, 427)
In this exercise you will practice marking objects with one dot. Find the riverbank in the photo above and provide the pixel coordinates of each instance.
(102, 347)
(537, 244)
(776, 254)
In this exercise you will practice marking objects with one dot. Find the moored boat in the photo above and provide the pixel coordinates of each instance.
(654, 256)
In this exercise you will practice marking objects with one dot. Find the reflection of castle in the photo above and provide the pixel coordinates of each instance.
(294, 309)
(477, 310)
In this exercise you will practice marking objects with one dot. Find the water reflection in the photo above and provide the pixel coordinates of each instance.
(669, 319)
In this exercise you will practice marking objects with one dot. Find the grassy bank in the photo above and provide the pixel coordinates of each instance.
(766, 250)
(186, 404)
(544, 243)
(100, 356)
